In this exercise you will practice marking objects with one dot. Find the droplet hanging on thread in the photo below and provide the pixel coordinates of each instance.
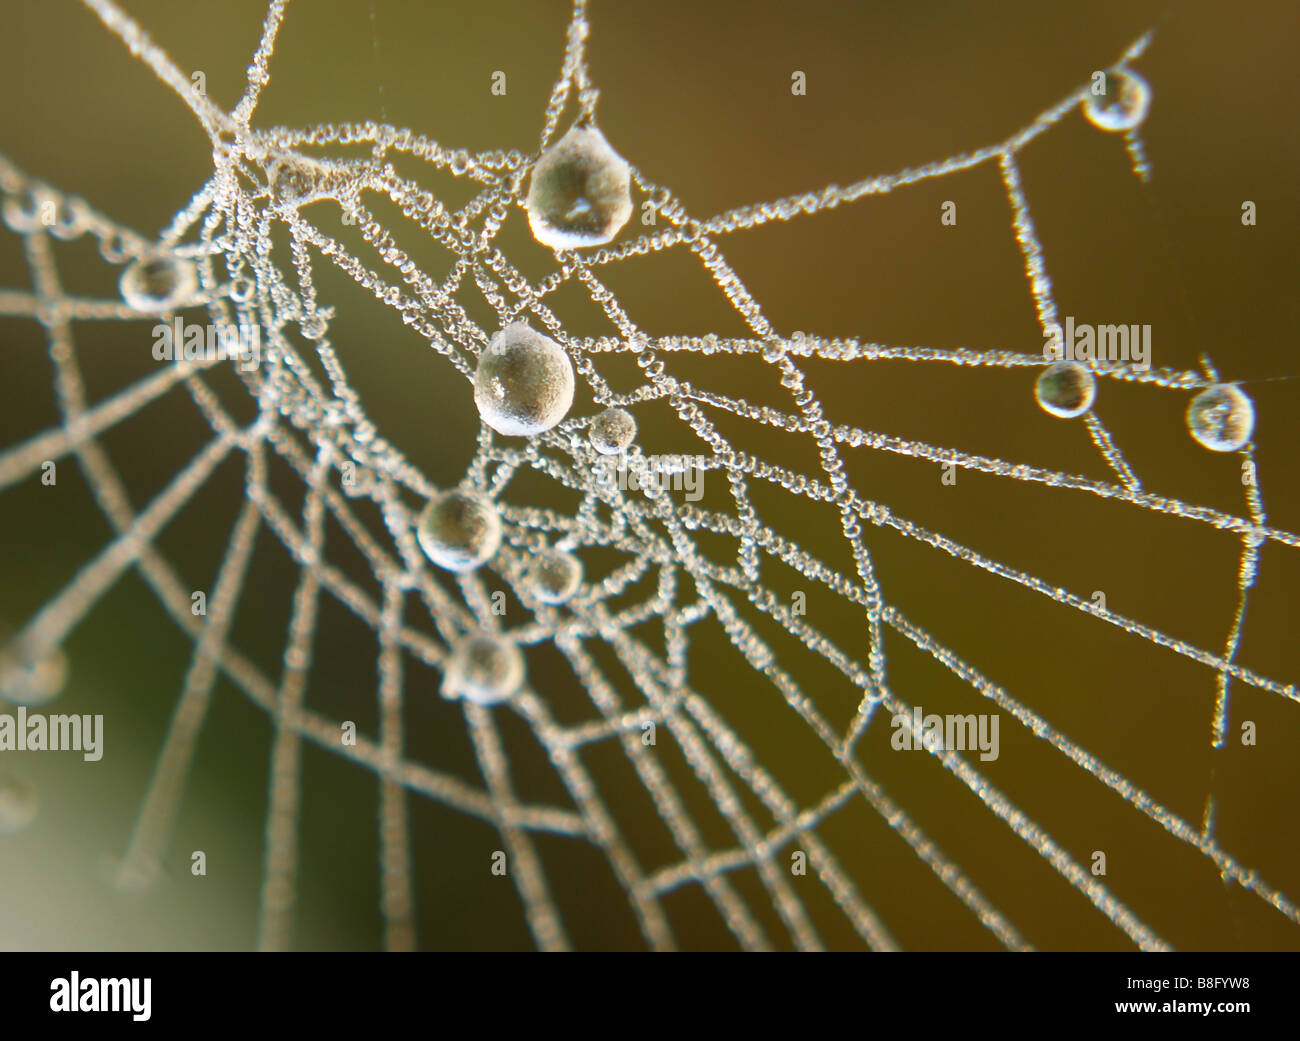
(580, 193)
(524, 382)
(158, 282)
(1122, 103)
(1221, 418)
(554, 576)
(484, 669)
(459, 531)
(612, 431)
(1066, 390)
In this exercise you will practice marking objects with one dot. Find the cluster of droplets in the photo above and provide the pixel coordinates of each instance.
(26, 680)
(579, 196)
(460, 531)
(155, 281)
(1220, 418)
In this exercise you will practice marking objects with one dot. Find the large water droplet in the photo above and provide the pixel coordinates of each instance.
(484, 669)
(32, 681)
(1123, 103)
(524, 382)
(459, 530)
(554, 576)
(612, 431)
(580, 193)
(1066, 389)
(159, 282)
(1221, 418)
(17, 803)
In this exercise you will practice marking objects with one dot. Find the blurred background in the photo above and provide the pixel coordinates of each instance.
(698, 97)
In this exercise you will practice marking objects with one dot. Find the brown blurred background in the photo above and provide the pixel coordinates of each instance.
(698, 97)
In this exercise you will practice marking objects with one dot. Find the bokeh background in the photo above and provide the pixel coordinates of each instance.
(698, 96)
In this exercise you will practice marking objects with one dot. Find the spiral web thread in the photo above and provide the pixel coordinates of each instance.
(319, 430)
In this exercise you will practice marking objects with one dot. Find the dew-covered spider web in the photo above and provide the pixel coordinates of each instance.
(712, 712)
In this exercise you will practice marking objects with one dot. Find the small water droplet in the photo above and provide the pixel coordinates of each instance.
(241, 290)
(612, 431)
(1221, 418)
(314, 326)
(554, 576)
(32, 681)
(484, 669)
(1066, 389)
(22, 211)
(158, 282)
(1122, 105)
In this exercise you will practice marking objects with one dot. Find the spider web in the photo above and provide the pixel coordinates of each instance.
(627, 635)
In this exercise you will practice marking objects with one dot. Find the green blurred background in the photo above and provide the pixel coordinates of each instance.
(697, 95)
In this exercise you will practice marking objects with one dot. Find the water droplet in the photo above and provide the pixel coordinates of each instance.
(612, 431)
(293, 180)
(1066, 389)
(524, 382)
(113, 247)
(484, 669)
(241, 290)
(580, 193)
(22, 212)
(1122, 106)
(1221, 418)
(27, 681)
(459, 530)
(159, 282)
(554, 576)
(69, 219)
(314, 325)
(17, 804)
